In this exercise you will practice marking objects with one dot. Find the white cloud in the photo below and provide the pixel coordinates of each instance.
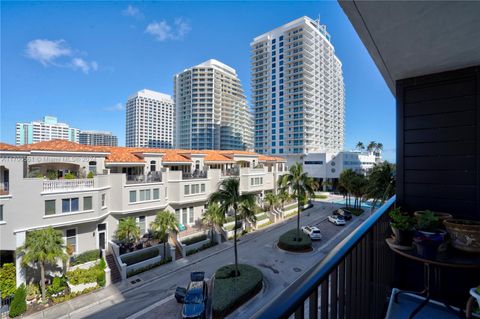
(117, 107)
(163, 31)
(132, 11)
(46, 51)
(58, 53)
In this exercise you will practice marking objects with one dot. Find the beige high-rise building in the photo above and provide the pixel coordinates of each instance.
(211, 109)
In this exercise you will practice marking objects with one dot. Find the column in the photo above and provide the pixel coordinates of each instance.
(21, 276)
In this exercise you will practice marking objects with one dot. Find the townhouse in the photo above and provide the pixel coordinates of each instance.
(85, 190)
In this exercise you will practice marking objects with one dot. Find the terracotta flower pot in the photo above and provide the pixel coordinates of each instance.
(465, 234)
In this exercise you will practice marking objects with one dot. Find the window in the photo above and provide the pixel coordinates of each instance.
(92, 167)
(141, 224)
(313, 162)
(69, 205)
(186, 189)
(203, 188)
(156, 193)
(104, 196)
(144, 194)
(71, 236)
(133, 196)
(190, 217)
(177, 215)
(1, 212)
(153, 166)
(87, 203)
(184, 215)
(49, 207)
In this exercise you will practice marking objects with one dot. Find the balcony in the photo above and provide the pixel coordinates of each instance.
(68, 184)
(152, 177)
(195, 175)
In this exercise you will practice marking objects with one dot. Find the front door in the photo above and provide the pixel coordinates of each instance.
(102, 235)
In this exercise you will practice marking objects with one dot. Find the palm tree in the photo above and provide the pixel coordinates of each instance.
(229, 197)
(283, 196)
(345, 181)
(381, 182)
(42, 247)
(360, 146)
(371, 146)
(213, 216)
(301, 186)
(248, 209)
(272, 200)
(327, 184)
(165, 222)
(358, 189)
(128, 230)
(378, 149)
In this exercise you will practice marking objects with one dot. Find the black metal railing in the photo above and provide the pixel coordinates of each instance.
(353, 281)
(194, 175)
(151, 177)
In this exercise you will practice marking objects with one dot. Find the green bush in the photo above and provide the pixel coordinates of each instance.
(87, 256)
(101, 279)
(289, 241)
(51, 175)
(58, 285)
(102, 264)
(140, 270)
(264, 225)
(229, 219)
(204, 246)
(70, 176)
(83, 276)
(19, 302)
(141, 255)
(72, 295)
(230, 227)
(33, 291)
(261, 216)
(231, 292)
(90, 175)
(7, 279)
(194, 240)
(321, 196)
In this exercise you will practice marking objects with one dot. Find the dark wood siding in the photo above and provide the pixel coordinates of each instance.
(438, 142)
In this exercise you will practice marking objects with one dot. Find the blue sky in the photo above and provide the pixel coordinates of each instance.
(81, 61)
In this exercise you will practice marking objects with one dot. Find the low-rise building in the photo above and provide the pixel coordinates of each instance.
(135, 182)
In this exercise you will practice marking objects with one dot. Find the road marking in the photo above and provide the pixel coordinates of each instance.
(150, 308)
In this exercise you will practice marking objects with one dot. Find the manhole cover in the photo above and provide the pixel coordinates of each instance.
(295, 269)
(135, 281)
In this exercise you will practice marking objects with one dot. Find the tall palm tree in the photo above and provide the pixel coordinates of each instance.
(381, 182)
(378, 149)
(42, 247)
(213, 216)
(283, 196)
(360, 146)
(372, 146)
(300, 185)
(248, 209)
(272, 200)
(128, 230)
(345, 181)
(229, 197)
(358, 189)
(165, 223)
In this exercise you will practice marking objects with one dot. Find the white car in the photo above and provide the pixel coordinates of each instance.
(313, 232)
(337, 220)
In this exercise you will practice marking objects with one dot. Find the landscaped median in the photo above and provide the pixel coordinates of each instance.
(230, 291)
(295, 241)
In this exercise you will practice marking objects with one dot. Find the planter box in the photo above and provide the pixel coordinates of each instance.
(81, 287)
(144, 264)
(86, 265)
(196, 245)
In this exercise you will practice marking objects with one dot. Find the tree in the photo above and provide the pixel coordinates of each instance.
(358, 186)
(42, 247)
(19, 302)
(283, 196)
(360, 146)
(248, 209)
(165, 222)
(213, 216)
(8, 277)
(345, 181)
(327, 184)
(272, 200)
(229, 197)
(372, 146)
(378, 149)
(301, 186)
(128, 230)
(381, 182)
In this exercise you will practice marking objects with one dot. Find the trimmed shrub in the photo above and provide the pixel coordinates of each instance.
(72, 295)
(85, 257)
(33, 291)
(264, 225)
(58, 285)
(231, 292)
(140, 270)
(140, 255)
(204, 246)
(230, 227)
(194, 240)
(83, 276)
(90, 175)
(101, 280)
(7, 279)
(289, 241)
(19, 302)
(70, 176)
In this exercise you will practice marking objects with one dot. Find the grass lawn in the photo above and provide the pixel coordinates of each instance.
(231, 292)
(289, 241)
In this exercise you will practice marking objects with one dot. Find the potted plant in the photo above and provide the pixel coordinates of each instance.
(402, 227)
(441, 216)
(464, 234)
(428, 236)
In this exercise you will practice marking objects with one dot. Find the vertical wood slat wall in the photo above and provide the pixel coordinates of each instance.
(438, 142)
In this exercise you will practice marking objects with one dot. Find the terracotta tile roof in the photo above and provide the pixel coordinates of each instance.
(264, 158)
(8, 147)
(174, 156)
(58, 145)
(122, 154)
(216, 157)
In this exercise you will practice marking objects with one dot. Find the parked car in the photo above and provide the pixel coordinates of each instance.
(346, 214)
(337, 220)
(194, 303)
(313, 232)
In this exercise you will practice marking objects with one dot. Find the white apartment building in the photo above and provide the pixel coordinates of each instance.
(211, 109)
(44, 130)
(97, 138)
(150, 120)
(134, 182)
(297, 90)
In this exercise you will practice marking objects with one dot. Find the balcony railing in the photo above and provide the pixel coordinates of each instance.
(152, 177)
(3, 188)
(194, 175)
(352, 281)
(67, 184)
(231, 172)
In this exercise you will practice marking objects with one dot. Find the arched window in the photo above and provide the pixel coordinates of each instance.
(153, 166)
(92, 167)
(197, 165)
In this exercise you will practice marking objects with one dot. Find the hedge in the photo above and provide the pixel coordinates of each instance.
(7, 279)
(19, 302)
(231, 292)
(321, 196)
(83, 276)
(287, 242)
(204, 246)
(85, 257)
(291, 214)
(261, 216)
(194, 240)
(230, 227)
(140, 270)
(140, 255)
(265, 225)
